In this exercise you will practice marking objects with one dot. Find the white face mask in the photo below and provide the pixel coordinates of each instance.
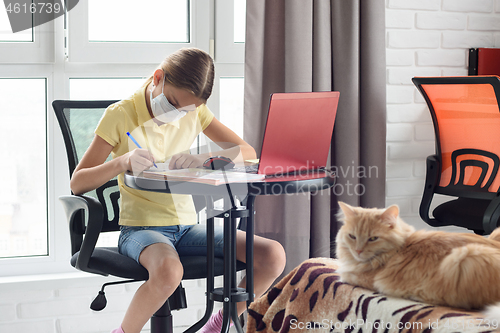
(163, 110)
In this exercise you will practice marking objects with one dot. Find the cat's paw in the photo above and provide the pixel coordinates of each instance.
(492, 312)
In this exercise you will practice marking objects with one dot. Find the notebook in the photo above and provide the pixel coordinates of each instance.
(298, 132)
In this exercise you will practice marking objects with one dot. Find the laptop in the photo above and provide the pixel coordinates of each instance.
(298, 132)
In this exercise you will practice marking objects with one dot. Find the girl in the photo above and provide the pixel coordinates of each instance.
(166, 114)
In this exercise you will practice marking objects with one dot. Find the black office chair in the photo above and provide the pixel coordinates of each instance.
(98, 211)
(466, 116)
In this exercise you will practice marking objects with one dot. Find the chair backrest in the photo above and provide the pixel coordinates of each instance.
(466, 116)
(78, 120)
(484, 61)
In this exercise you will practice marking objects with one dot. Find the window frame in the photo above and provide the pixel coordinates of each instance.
(222, 70)
(41, 50)
(54, 65)
(57, 236)
(226, 50)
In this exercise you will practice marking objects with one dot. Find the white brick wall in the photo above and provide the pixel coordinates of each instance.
(468, 6)
(61, 304)
(425, 38)
(414, 4)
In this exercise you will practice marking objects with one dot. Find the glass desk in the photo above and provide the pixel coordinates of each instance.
(245, 193)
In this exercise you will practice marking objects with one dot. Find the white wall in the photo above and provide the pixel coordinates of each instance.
(425, 38)
(61, 304)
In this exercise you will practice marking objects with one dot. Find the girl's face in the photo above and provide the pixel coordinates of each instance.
(179, 98)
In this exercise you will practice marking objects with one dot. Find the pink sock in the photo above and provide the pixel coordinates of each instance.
(118, 330)
(214, 324)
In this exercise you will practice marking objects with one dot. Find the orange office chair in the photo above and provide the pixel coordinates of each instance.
(466, 116)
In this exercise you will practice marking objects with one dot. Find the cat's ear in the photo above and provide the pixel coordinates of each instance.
(346, 209)
(390, 215)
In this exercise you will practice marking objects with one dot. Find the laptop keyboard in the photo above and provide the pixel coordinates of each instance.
(247, 168)
(255, 167)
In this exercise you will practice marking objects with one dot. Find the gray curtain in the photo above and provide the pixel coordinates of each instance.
(320, 45)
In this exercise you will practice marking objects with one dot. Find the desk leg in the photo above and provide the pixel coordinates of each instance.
(249, 248)
(228, 278)
(210, 275)
(230, 291)
(234, 282)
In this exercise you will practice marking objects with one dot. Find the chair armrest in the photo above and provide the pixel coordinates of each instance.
(431, 182)
(93, 222)
(491, 215)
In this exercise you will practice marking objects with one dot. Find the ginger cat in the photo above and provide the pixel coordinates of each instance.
(379, 251)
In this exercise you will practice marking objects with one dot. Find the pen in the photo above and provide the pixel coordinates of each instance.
(138, 145)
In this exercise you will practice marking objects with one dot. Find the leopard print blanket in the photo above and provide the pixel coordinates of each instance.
(312, 298)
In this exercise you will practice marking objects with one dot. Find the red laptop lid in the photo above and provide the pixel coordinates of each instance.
(298, 132)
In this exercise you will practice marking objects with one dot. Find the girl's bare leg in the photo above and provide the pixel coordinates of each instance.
(269, 263)
(165, 274)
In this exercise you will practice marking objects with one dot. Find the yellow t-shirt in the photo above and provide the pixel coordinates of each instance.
(143, 208)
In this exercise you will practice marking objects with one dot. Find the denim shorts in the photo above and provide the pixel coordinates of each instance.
(187, 240)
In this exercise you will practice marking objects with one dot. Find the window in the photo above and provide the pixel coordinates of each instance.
(130, 34)
(35, 45)
(89, 54)
(6, 34)
(103, 88)
(23, 199)
(230, 31)
(171, 27)
(231, 103)
(239, 20)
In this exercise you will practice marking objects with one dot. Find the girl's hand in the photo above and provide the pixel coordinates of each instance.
(184, 161)
(138, 160)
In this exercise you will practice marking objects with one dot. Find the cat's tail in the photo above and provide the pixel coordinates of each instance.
(492, 313)
(467, 272)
